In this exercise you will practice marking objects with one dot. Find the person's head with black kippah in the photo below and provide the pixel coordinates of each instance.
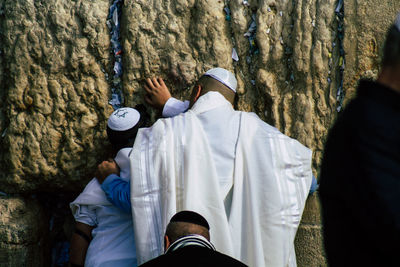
(186, 223)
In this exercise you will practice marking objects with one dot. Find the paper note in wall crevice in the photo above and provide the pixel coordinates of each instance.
(235, 55)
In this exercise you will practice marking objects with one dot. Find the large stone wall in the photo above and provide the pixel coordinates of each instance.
(366, 23)
(285, 81)
(54, 69)
(56, 94)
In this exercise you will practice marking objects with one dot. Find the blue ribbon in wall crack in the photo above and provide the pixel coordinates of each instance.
(341, 64)
(113, 23)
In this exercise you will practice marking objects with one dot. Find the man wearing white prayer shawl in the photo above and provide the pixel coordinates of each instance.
(104, 234)
(246, 178)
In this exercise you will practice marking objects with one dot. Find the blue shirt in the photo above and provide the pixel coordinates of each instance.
(118, 191)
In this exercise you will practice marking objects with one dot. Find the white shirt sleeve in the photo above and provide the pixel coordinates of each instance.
(86, 214)
(174, 107)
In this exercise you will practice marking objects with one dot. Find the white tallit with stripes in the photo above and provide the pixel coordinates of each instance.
(172, 170)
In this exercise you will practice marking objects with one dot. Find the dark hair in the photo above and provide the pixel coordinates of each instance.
(122, 139)
(176, 230)
(391, 50)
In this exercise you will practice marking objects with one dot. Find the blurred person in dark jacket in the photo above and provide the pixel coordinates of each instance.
(360, 172)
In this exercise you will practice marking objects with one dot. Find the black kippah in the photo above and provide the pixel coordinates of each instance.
(190, 217)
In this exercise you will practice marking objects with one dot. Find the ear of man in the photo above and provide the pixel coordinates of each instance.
(195, 94)
(167, 242)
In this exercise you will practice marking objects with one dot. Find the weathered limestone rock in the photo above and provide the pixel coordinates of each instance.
(56, 92)
(178, 40)
(309, 242)
(366, 24)
(23, 226)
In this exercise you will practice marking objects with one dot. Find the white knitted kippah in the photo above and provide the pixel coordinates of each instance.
(224, 76)
(123, 119)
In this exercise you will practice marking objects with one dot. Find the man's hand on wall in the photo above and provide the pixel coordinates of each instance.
(105, 169)
(157, 93)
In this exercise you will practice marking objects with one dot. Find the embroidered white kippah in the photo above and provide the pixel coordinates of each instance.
(397, 22)
(123, 119)
(224, 76)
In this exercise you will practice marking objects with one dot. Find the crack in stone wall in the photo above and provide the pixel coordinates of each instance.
(3, 116)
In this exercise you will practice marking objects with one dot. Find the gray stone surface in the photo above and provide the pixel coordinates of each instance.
(309, 243)
(23, 232)
(366, 25)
